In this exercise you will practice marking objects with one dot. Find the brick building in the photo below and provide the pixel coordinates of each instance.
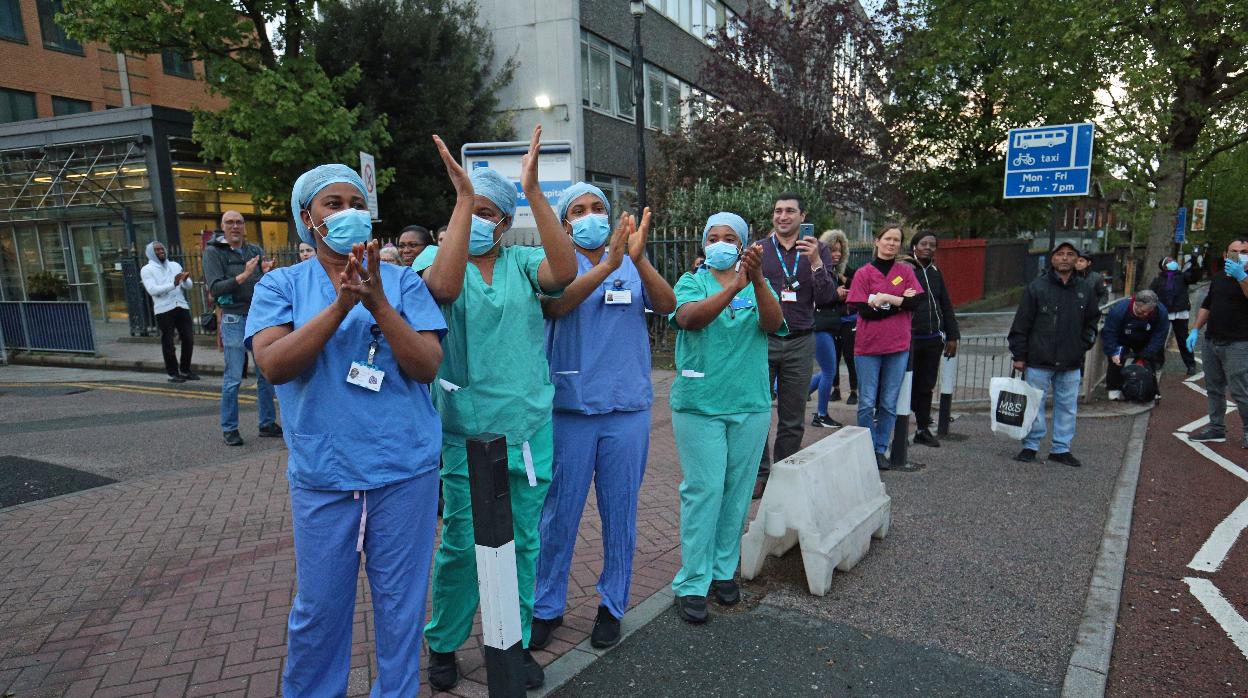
(1092, 219)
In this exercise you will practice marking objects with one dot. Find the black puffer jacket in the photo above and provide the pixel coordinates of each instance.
(935, 313)
(1172, 288)
(1055, 324)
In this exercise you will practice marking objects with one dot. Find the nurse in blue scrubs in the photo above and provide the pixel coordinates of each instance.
(351, 344)
(599, 350)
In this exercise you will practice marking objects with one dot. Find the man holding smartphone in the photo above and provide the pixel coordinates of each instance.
(798, 267)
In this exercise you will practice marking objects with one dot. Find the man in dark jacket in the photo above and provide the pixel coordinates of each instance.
(1083, 268)
(231, 269)
(1135, 330)
(1172, 289)
(1223, 315)
(1054, 326)
(933, 333)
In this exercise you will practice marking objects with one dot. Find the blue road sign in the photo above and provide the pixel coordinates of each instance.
(1180, 226)
(1048, 161)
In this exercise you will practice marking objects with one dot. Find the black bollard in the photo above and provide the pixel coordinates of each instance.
(496, 565)
(948, 378)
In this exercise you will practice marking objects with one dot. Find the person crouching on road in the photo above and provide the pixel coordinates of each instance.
(1054, 327)
(598, 344)
(166, 283)
(934, 333)
(495, 380)
(350, 344)
(721, 407)
(884, 294)
(1135, 330)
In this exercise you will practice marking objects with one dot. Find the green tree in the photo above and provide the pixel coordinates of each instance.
(284, 114)
(721, 150)
(425, 69)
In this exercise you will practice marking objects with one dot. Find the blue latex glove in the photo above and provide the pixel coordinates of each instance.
(1235, 270)
(1194, 334)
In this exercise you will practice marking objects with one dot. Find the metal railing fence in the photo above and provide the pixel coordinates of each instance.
(47, 326)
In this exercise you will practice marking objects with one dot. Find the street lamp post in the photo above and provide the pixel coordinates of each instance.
(638, 8)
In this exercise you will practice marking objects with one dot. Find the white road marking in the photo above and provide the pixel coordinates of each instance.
(1221, 610)
(1213, 553)
(1211, 455)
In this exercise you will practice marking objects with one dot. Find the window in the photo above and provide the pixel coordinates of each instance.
(175, 63)
(64, 106)
(16, 105)
(11, 21)
(54, 36)
(623, 89)
(698, 17)
(654, 99)
(606, 77)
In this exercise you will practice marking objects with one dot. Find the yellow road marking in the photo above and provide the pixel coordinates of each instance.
(142, 390)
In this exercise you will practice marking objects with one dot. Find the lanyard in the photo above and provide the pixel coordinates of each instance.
(372, 346)
(790, 280)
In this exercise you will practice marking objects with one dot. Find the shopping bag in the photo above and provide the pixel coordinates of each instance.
(1013, 405)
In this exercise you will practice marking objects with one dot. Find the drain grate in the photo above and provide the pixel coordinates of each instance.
(24, 480)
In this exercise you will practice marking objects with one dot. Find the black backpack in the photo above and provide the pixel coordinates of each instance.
(1138, 383)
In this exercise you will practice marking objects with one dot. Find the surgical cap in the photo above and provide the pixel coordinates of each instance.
(732, 220)
(575, 192)
(310, 184)
(151, 252)
(495, 187)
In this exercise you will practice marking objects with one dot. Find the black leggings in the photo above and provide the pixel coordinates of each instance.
(925, 354)
(1180, 336)
(177, 319)
(845, 351)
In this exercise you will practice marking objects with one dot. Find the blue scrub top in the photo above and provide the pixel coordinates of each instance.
(600, 354)
(341, 436)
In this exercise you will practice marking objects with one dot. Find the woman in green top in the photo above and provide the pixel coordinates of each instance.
(721, 407)
(493, 379)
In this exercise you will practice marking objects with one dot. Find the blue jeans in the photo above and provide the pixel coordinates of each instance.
(232, 330)
(879, 383)
(825, 356)
(1065, 388)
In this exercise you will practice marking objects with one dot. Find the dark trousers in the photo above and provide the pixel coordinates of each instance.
(925, 353)
(1113, 374)
(177, 319)
(1180, 334)
(845, 350)
(791, 363)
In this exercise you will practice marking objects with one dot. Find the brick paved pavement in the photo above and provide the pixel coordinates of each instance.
(180, 584)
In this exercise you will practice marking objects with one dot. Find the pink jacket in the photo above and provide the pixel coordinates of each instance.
(892, 334)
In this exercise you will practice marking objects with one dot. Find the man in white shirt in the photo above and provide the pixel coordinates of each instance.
(165, 282)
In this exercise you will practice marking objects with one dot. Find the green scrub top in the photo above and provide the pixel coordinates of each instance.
(721, 368)
(494, 377)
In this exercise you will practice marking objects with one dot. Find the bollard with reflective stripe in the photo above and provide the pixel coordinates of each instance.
(948, 377)
(496, 565)
(901, 431)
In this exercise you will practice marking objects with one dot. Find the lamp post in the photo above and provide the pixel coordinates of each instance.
(638, 9)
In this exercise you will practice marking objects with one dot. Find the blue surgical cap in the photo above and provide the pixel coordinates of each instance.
(732, 220)
(310, 183)
(495, 187)
(575, 192)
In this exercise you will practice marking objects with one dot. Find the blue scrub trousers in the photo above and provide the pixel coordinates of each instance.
(611, 450)
(879, 385)
(719, 456)
(398, 548)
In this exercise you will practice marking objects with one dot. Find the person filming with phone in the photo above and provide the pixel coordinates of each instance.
(798, 267)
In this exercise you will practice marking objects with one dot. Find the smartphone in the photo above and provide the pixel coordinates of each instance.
(805, 230)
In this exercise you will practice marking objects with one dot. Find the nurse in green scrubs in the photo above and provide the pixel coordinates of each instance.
(721, 407)
(493, 379)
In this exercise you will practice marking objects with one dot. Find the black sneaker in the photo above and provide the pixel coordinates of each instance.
(727, 592)
(1067, 458)
(836, 395)
(443, 672)
(232, 438)
(534, 675)
(1208, 435)
(853, 398)
(191, 376)
(273, 429)
(1027, 455)
(881, 462)
(1192, 370)
(176, 379)
(606, 630)
(924, 437)
(825, 422)
(691, 609)
(540, 632)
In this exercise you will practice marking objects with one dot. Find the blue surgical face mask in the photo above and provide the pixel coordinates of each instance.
(1243, 258)
(345, 228)
(482, 238)
(1172, 265)
(590, 232)
(721, 255)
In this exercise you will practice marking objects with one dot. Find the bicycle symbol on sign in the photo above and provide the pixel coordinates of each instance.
(1024, 159)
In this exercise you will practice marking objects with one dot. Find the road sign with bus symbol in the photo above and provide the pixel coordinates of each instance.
(1048, 161)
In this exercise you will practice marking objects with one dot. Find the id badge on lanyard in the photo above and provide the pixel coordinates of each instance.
(791, 284)
(367, 375)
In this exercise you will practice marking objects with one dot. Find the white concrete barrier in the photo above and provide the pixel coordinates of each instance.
(829, 499)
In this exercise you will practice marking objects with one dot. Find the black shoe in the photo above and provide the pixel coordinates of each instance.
(190, 376)
(1208, 435)
(176, 379)
(1067, 458)
(1192, 370)
(691, 609)
(1027, 455)
(606, 630)
(443, 672)
(233, 439)
(853, 398)
(273, 429)
(540, 631)
(727, 592)
(924, 437)
(534, 676)
(881, 462)
(824, 421)
(836, 395)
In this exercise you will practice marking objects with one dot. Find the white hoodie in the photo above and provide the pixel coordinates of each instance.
(158, 279)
